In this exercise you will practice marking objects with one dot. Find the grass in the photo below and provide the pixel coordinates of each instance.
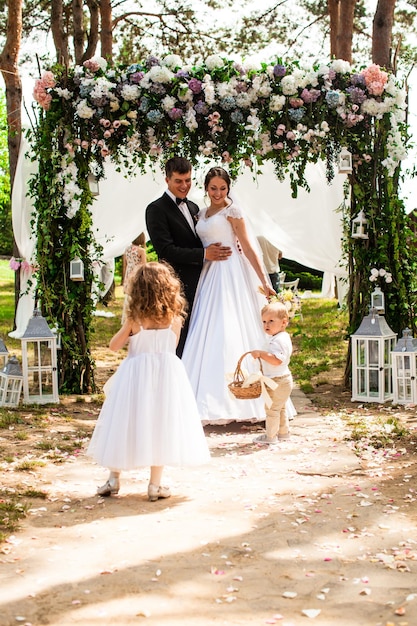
(319, 341)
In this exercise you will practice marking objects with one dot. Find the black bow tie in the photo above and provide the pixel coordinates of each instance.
(179, 200)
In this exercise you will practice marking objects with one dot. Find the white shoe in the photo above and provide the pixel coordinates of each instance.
(157, 491)
(111, 486)
(264, 439)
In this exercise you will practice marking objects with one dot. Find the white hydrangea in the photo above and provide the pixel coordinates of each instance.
(130, 92)
(300, 78)
(64, 93)
(311, 78)
(261, 87)
(159, 74)
(102, 63)
(288, 85)
(244, 100)
(172, 61)
(84, 111)
(214, 61)
(226, 89)
(340, 66)
(168, 103)
(185, 95)
(276, 103)
(374, 108)
(102, 87)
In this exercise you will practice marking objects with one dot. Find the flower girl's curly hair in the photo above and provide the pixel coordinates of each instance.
(155, 292)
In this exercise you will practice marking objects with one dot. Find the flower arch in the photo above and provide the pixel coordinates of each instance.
(139, 114)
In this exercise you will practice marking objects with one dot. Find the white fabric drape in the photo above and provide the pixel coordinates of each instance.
(307, 229)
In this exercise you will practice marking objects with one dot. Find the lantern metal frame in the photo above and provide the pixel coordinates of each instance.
(76, 269)
(360, 226)
(39, 362)
(372, 345)
(345, 161)
(404, 369)
(11, 381)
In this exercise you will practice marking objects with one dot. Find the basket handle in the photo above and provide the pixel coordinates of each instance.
(238, 376)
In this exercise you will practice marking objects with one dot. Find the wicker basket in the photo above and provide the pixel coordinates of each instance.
(244, 393)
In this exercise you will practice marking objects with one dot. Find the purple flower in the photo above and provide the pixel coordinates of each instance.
(356, 95)
(195, 85)
(182, 74)
(151, 61)
(310, 95)
(201, 107)
(175, 114)
(136, 77)
(358, 80)
(157, 88)
(279, 70)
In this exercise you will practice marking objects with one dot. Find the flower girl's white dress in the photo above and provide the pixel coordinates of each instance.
(149, 416)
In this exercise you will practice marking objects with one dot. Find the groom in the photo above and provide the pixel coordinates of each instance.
(170, 221)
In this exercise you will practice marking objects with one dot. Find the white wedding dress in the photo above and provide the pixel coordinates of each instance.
(225, 322)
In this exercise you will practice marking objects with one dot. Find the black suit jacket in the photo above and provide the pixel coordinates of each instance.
(175, 242)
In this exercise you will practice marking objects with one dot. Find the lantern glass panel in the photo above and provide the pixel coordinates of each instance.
(362, 382)
(39, 353)
(387, 381)
(373, 352)
(373, 382)
(40, 383)
(361, 352)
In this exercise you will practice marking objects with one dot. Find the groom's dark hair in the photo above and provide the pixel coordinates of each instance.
(181, 165)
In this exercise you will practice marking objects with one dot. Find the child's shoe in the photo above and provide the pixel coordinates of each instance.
(157, 491)
(111, 486)
(264, 439)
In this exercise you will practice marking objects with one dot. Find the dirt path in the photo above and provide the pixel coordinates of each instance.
(302, 532)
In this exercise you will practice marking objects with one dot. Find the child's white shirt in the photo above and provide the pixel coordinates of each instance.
(279, 345)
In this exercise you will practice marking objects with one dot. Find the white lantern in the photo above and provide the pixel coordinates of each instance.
(76, 269)
(11, 379)
(4, 353)
(372, 345)
(360, 226)
(378, 300)
(40, 375)
(345, 162)
(404, 370)
(93, 184)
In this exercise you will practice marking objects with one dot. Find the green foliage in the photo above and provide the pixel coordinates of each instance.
(6, 229)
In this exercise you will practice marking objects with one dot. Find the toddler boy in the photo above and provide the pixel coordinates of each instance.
(275, 355)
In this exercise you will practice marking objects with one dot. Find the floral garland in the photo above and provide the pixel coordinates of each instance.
(220, 109)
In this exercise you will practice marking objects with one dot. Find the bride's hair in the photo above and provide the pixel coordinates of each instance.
(217, 172)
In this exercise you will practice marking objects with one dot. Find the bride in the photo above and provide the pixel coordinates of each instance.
(225, 320)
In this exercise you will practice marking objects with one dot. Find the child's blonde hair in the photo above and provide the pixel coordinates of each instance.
(276, 308)
(155, 292)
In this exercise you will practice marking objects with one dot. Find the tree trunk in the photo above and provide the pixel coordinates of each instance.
(60, 36)
(382, 33)
(106, 30)
(93, 7)
(78, 25)
(341, 14)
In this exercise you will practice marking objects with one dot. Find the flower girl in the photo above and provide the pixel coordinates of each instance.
(149, 416)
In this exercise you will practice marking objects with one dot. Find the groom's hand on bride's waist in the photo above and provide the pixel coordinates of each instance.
(217, 252)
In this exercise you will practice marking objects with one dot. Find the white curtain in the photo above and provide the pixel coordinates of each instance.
(307, 229)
